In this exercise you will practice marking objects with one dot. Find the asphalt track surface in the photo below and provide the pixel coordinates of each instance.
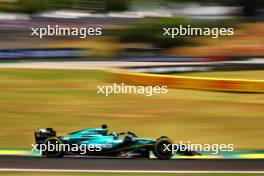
(18, 162)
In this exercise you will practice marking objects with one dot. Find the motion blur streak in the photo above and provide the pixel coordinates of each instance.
(51, 82)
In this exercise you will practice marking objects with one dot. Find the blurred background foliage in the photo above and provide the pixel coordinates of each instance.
(33, 6)
(137, 24)
(139, 32)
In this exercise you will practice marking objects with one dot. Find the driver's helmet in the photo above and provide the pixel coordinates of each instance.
(104, 129)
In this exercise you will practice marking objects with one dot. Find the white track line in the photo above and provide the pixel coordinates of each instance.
(122, 171)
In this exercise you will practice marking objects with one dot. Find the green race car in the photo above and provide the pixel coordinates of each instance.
(97, 142)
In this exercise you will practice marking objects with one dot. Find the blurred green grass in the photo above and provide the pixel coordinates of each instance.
(67, 101)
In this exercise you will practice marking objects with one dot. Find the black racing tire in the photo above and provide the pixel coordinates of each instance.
(159, 149)
(55, 153)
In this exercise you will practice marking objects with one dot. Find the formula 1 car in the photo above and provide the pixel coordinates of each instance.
(97, 142)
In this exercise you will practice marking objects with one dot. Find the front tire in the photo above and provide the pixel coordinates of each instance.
(160, 150)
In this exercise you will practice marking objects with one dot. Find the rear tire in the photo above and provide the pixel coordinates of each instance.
(160, 150)
(57, 152)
